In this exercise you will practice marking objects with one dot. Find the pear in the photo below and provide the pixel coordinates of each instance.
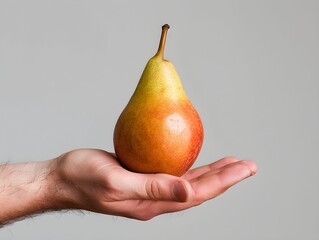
(159, 131)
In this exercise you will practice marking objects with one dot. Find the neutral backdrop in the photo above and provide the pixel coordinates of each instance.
(251, 68)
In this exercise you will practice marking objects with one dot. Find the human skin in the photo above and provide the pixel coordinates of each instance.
(93, 180)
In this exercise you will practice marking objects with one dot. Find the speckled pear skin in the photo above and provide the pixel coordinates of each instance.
(159, 131)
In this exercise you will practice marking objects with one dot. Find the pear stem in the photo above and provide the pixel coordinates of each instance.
(161, 47)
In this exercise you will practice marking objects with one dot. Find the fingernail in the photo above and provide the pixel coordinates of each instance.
(180, 191)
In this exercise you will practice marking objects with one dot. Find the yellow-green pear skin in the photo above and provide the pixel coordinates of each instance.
(159, 131)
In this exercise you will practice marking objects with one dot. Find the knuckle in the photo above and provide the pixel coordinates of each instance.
(153, 189)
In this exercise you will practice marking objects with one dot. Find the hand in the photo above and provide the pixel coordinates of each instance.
(93, 180)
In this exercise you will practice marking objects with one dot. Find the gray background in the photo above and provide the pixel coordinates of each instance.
(251, 68)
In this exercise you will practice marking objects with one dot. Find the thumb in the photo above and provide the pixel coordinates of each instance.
(161, 187)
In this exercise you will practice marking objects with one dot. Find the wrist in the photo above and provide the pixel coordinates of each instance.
(59, 192)
(29, 188)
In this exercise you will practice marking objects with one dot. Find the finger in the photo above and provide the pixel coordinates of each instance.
(160, 187)
(211, 185)
(204, 188)
(193, 173)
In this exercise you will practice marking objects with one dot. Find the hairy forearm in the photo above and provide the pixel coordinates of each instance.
(28, 188)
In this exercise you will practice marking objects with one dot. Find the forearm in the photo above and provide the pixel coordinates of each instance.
(28, 188)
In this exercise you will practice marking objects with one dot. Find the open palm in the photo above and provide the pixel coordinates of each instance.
(97, 182)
